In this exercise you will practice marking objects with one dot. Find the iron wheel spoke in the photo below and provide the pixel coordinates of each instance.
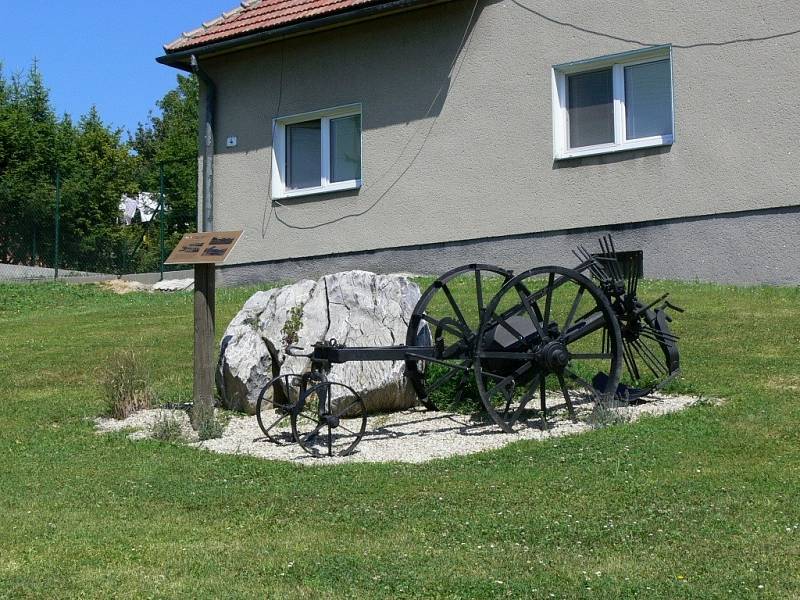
(548, 301)
(444, 326)
(563, 385)
(455, 306)
(506, 380)
(574, 309)
(448, 376)
(533, 315)
(529, 394)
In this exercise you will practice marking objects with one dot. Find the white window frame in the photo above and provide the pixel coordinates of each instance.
(617, 62)
(279, 189)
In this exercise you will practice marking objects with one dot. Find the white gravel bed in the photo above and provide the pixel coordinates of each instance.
(411, 436)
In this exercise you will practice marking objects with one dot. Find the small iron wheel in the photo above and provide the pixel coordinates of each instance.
(439, 320)
(547, 333)
(329, 420)
(275, 404)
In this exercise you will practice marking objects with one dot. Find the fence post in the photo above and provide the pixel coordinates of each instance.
(58, 222)
(161, 219)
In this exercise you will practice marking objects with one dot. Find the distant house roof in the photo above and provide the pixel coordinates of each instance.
(256, 16)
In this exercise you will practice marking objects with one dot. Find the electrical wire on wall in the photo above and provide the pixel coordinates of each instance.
(610, 36)
(452, 76)
(269, 209)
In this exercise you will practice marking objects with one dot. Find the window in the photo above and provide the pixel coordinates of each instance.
(618, 102)
(317, 152)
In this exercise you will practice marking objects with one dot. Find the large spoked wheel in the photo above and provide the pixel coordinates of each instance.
(550, 334)
(275, 404)
(330, 419)
(447, 317)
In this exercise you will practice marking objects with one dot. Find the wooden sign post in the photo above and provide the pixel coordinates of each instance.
(205, 251)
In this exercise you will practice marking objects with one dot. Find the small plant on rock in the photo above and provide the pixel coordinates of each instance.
(291, 327)
(125, 382)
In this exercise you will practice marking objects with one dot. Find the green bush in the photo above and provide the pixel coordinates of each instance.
(166, 428)
(207, 424)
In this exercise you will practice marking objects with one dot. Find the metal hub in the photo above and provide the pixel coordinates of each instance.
(555, 356)
(331, 420)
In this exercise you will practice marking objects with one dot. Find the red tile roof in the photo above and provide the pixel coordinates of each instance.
(259, 15)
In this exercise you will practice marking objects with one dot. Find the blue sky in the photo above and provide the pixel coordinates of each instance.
(100, 52)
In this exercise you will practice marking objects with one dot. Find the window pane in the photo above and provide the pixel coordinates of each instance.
(590, 108)
(346, 148)
(303, 155)
(648, 99)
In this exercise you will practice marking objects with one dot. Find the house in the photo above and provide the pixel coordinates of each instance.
(417, 135)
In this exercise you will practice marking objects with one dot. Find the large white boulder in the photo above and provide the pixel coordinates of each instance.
(356, 308)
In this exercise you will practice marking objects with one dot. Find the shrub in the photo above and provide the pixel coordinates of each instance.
(166, 428)
(125, 382)
(604, 415)
(206, 422)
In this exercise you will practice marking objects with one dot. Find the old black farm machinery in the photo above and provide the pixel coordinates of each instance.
(515, 341)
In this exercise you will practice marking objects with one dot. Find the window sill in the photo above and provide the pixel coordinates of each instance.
(649, 142)
(339, 186)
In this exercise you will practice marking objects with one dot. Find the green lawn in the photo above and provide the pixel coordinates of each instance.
(701, 504)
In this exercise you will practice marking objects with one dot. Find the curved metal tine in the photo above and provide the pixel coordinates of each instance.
(661, 335)
(455, 306)
(330, 441)
(448, 376)
(650, 359)
(563, 384)
(534, 316)
(630, 362)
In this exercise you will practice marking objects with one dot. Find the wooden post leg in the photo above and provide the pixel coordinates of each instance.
(204, 334)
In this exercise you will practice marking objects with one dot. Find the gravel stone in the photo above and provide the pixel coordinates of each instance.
(410, 436)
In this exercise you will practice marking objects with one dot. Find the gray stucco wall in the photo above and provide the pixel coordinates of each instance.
(742, 248)
(484, 167)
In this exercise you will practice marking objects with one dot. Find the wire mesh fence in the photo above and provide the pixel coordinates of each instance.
(62, 232)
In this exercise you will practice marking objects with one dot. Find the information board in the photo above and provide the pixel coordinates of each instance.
(207, 247)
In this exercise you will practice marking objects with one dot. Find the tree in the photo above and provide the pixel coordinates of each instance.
(27, 165)
(95, 167)
(170, 140)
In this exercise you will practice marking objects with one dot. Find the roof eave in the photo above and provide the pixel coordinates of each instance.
(179, 59)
